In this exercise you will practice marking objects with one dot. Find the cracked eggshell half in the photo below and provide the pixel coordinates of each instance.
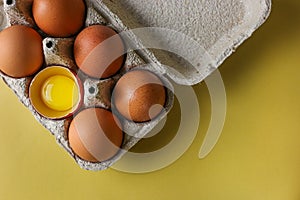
(56, 92)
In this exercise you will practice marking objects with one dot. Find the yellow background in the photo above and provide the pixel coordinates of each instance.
(256, 158)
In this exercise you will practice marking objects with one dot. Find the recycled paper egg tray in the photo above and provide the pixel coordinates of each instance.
(220, 26)
(97, 93)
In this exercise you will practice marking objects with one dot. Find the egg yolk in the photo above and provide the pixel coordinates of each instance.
(60, 93)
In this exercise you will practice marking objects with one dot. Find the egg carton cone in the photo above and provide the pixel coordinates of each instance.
(180, 41)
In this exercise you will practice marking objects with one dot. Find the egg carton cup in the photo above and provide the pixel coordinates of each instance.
(219, 26)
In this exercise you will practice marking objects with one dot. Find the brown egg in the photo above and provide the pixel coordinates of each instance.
(59, 18)
(95, 135)
(139, 95)
(95, 54)
(21, 51)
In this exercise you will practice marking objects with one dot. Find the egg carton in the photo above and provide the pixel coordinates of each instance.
(220, 26)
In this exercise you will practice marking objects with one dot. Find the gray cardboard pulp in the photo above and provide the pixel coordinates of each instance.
(218, 26)
(203, 32)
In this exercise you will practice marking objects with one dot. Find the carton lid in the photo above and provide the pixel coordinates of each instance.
(208, 31)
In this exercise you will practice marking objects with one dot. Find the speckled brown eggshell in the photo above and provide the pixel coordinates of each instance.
(95, 135)
(139, 95)
(59, 18)
(21, 51)
(98, 51)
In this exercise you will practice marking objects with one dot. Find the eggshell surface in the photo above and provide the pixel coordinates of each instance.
(59, 18)
(139, 95)
(21, 51)
(95, 135)
(98, 51)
